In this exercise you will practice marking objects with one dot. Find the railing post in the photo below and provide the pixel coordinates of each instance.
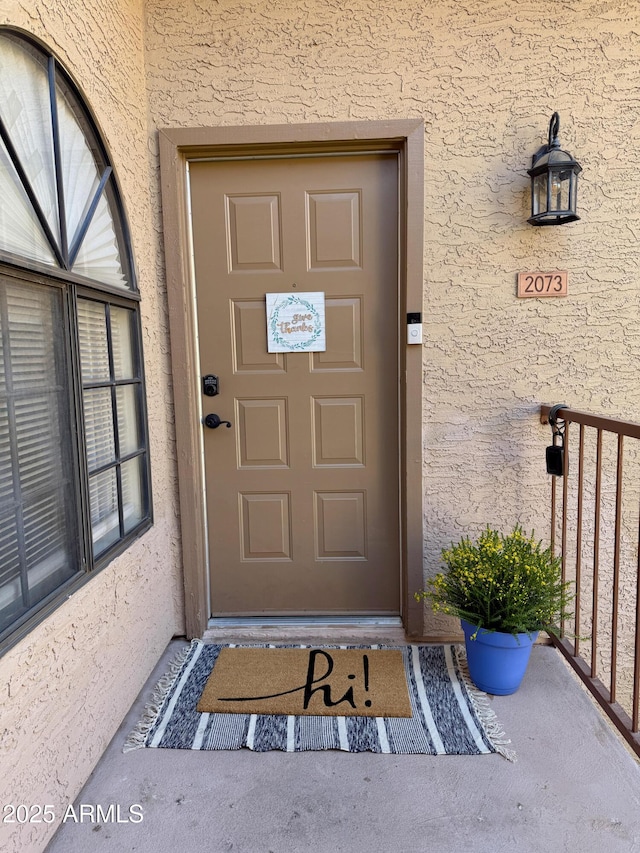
(596, 556)
(635, 711)
(616, 570)
(578, 590)
(565, 491)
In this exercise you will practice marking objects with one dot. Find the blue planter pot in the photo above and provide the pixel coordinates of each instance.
(497, 662)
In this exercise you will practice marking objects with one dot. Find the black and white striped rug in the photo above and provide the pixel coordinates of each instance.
(450, 716)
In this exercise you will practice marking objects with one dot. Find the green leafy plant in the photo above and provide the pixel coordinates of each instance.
(501, 583)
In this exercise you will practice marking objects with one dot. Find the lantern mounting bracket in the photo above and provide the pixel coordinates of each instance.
(554, 130)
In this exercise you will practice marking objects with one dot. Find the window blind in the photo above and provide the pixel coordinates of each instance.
(36, 482)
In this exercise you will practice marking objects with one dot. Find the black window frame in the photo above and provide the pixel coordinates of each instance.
(74, 286)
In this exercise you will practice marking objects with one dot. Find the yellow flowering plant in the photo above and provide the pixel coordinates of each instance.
(507, 583)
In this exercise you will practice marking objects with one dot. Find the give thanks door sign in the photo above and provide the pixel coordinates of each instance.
(334, 682)
(296, 322)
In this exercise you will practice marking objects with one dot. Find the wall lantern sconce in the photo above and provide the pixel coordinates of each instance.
(554, 182)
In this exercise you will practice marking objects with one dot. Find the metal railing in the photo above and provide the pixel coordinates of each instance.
(595, 515)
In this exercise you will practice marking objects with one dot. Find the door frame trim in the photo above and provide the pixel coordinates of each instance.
(177, 147)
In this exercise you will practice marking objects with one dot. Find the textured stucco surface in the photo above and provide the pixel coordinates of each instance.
(65, 689)
(485, 77)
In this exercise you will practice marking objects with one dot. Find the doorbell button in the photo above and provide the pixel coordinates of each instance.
(414, 333)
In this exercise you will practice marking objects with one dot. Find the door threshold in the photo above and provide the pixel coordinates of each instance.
(306, 629)
(304, 622)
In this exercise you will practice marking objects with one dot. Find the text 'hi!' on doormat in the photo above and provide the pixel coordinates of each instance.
(339, 682)
(406, 700)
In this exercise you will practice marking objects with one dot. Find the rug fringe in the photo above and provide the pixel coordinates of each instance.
(482, 706)
(137, 739)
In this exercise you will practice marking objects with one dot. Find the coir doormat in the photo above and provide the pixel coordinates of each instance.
(294, 681)
(449, 716)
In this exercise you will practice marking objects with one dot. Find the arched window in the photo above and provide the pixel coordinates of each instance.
(74, 469)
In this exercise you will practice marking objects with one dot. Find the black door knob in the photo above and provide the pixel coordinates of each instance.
(214, 421)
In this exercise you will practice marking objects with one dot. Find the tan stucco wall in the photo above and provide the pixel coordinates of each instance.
(485, 77)
(65, 689)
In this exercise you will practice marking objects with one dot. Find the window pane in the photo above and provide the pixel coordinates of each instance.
(20, 231)
(92, 331)
(38, 544)
(128, 419)
(99, 257)
(122, 337)
(82, 168)
(31, 337)
(26, 111)
(6, 473)
(11, 601)
(41, 463)
(98, 427)
(44, 533)
(105, 524)
(80, 175)
(132, 494)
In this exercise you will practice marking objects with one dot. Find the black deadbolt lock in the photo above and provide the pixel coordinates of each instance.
(210, 385)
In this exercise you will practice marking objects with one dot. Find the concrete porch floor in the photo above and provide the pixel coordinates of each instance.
(574, 789)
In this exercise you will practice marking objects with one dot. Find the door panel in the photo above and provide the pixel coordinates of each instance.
(302, 490)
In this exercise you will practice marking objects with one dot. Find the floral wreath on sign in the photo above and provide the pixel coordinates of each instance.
(274, 321)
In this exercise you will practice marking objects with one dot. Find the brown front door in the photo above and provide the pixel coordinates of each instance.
(302, 490)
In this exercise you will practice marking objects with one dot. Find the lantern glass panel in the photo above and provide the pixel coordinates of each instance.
(560, 182)
(539, 194)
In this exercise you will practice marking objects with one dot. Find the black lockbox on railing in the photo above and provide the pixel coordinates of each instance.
(555, 452)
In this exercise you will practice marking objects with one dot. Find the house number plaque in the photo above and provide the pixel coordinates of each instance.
(542, 284)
